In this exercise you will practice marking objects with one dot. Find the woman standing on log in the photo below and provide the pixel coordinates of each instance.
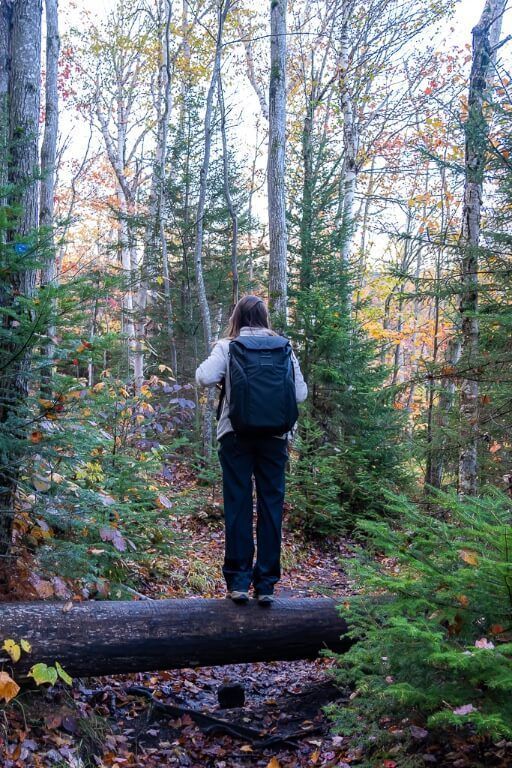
(261, 386)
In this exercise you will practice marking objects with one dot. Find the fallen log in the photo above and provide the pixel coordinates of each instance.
(105, 638)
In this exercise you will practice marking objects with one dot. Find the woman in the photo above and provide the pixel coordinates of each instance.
(243, 457)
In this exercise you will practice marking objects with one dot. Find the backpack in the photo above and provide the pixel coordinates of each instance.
(262, 378)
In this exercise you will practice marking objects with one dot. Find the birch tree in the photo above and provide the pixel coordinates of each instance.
(204, 307)
(116, 70)
(228, 196)
(278, 236)
(155, 236)
(486, 36)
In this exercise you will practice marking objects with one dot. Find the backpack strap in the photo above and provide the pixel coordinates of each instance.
(221, 398)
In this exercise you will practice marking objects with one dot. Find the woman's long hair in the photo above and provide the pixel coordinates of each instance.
(250, 311)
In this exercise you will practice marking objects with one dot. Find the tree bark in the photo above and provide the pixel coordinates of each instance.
(486, 35)
(24, 43)
(350, 142)
(198, 255)
(436, 457)
(203, 178)
(5, 67)
(155, 238)
(278, 235)
(229, 199)
(48, 158)
(105, 638)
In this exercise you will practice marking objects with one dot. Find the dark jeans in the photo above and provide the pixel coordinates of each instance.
(241, 458)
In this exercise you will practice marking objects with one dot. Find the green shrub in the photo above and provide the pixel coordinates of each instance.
(432, 619)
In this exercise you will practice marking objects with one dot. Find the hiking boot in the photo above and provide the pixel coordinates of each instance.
(265, 600)
(238, 597)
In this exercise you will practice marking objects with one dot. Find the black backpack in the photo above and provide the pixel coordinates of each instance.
(262, 394)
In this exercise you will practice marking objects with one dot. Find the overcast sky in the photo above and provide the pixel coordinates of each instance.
(242, 102)
(467, 14)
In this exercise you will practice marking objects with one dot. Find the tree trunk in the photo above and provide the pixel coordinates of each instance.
(436, 458)
(350, 144)
(306, 222)
(24, 42)
(105, 638)
(363, 260)
(154, 237)
(486, 35)
(123, 239)
(229, 200)
(198, 256)
(250, 222)
(5, 66)
(203, 178)
(48, 157)
(278, 236)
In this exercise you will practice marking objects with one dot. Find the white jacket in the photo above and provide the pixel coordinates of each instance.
(215, 368)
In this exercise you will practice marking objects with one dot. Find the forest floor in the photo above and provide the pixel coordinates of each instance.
(101, 723)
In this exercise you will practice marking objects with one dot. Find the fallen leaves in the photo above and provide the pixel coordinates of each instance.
(162, 502)
(465, 709)
(8, 687)
(418, 733)
(42, 587)
(469, 557)
(13, 649)
(115, 537)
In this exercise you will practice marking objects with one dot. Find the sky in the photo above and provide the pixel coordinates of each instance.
(457, 32)
(467, 15)
(241, 101)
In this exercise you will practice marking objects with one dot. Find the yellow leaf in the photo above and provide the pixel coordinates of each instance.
(41, 483)
(274, 763)
(12, 649)
(25, 645)
(495, 447)
(99, 386)
(8, 687)
(315, 756)
(469, 557)
(160, 280)
(63, 674)
(246, 748)
(73, 395)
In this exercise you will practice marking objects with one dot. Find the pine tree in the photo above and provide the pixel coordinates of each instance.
(352, 429)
